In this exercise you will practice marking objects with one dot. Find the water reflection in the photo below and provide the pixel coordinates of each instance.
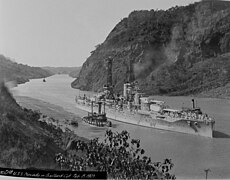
(218, 134)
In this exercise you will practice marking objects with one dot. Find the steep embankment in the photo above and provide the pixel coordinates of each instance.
(180, 51)
(12, 71)
(71, 71)
(26, 142)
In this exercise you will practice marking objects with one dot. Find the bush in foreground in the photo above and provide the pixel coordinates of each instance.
(119, 156)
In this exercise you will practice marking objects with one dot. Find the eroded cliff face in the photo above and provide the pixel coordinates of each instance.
(179, 51)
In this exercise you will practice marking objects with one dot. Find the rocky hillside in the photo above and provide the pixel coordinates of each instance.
(180, 51)
(71, 71)
(23, 143)
(12, 71)
(26, 142)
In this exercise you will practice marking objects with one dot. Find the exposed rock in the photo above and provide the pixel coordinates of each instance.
(179, 51)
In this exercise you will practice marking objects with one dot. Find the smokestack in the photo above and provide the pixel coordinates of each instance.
(92, 107)
(193, 103)
(137, 99)
(131, 77)
(99, 107)
(125, 90)
(109, 86)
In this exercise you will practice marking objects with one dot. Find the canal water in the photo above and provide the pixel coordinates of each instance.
(190, 154)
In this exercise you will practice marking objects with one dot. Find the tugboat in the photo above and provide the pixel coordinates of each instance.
(97, 119)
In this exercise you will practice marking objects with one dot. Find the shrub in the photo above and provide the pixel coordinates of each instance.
(119, 156)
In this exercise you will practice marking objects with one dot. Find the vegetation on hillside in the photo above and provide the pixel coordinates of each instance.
(202, 76)
(179, 51)
(26, 142)
(12, 71)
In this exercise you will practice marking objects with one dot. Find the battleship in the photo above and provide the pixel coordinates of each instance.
(135, 108)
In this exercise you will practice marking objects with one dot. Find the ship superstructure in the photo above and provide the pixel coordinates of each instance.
(135, 108)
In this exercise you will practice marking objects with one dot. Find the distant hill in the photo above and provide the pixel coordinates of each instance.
(71, 71)
(179, 51)
(12, 71)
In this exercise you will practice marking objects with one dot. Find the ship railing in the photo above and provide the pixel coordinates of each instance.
(177, 116)
(196, 117)
(199, 119)
(187, 116)
(172, 118)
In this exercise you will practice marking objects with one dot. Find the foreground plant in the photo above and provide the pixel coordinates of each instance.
(119, 156)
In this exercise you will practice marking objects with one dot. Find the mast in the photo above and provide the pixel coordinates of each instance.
(109, 64)
(131, 77)
(108, 88)
(130, 88)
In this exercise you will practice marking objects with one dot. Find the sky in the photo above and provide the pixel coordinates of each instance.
(63, 32)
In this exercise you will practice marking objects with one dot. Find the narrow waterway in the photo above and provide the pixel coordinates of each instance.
(190, 154)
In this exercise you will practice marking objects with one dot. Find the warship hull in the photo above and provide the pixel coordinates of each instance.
(193, 127)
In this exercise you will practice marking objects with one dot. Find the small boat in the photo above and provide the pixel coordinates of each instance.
(74, 123)
(97, 119)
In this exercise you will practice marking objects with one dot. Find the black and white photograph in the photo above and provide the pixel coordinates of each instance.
(114, 89)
